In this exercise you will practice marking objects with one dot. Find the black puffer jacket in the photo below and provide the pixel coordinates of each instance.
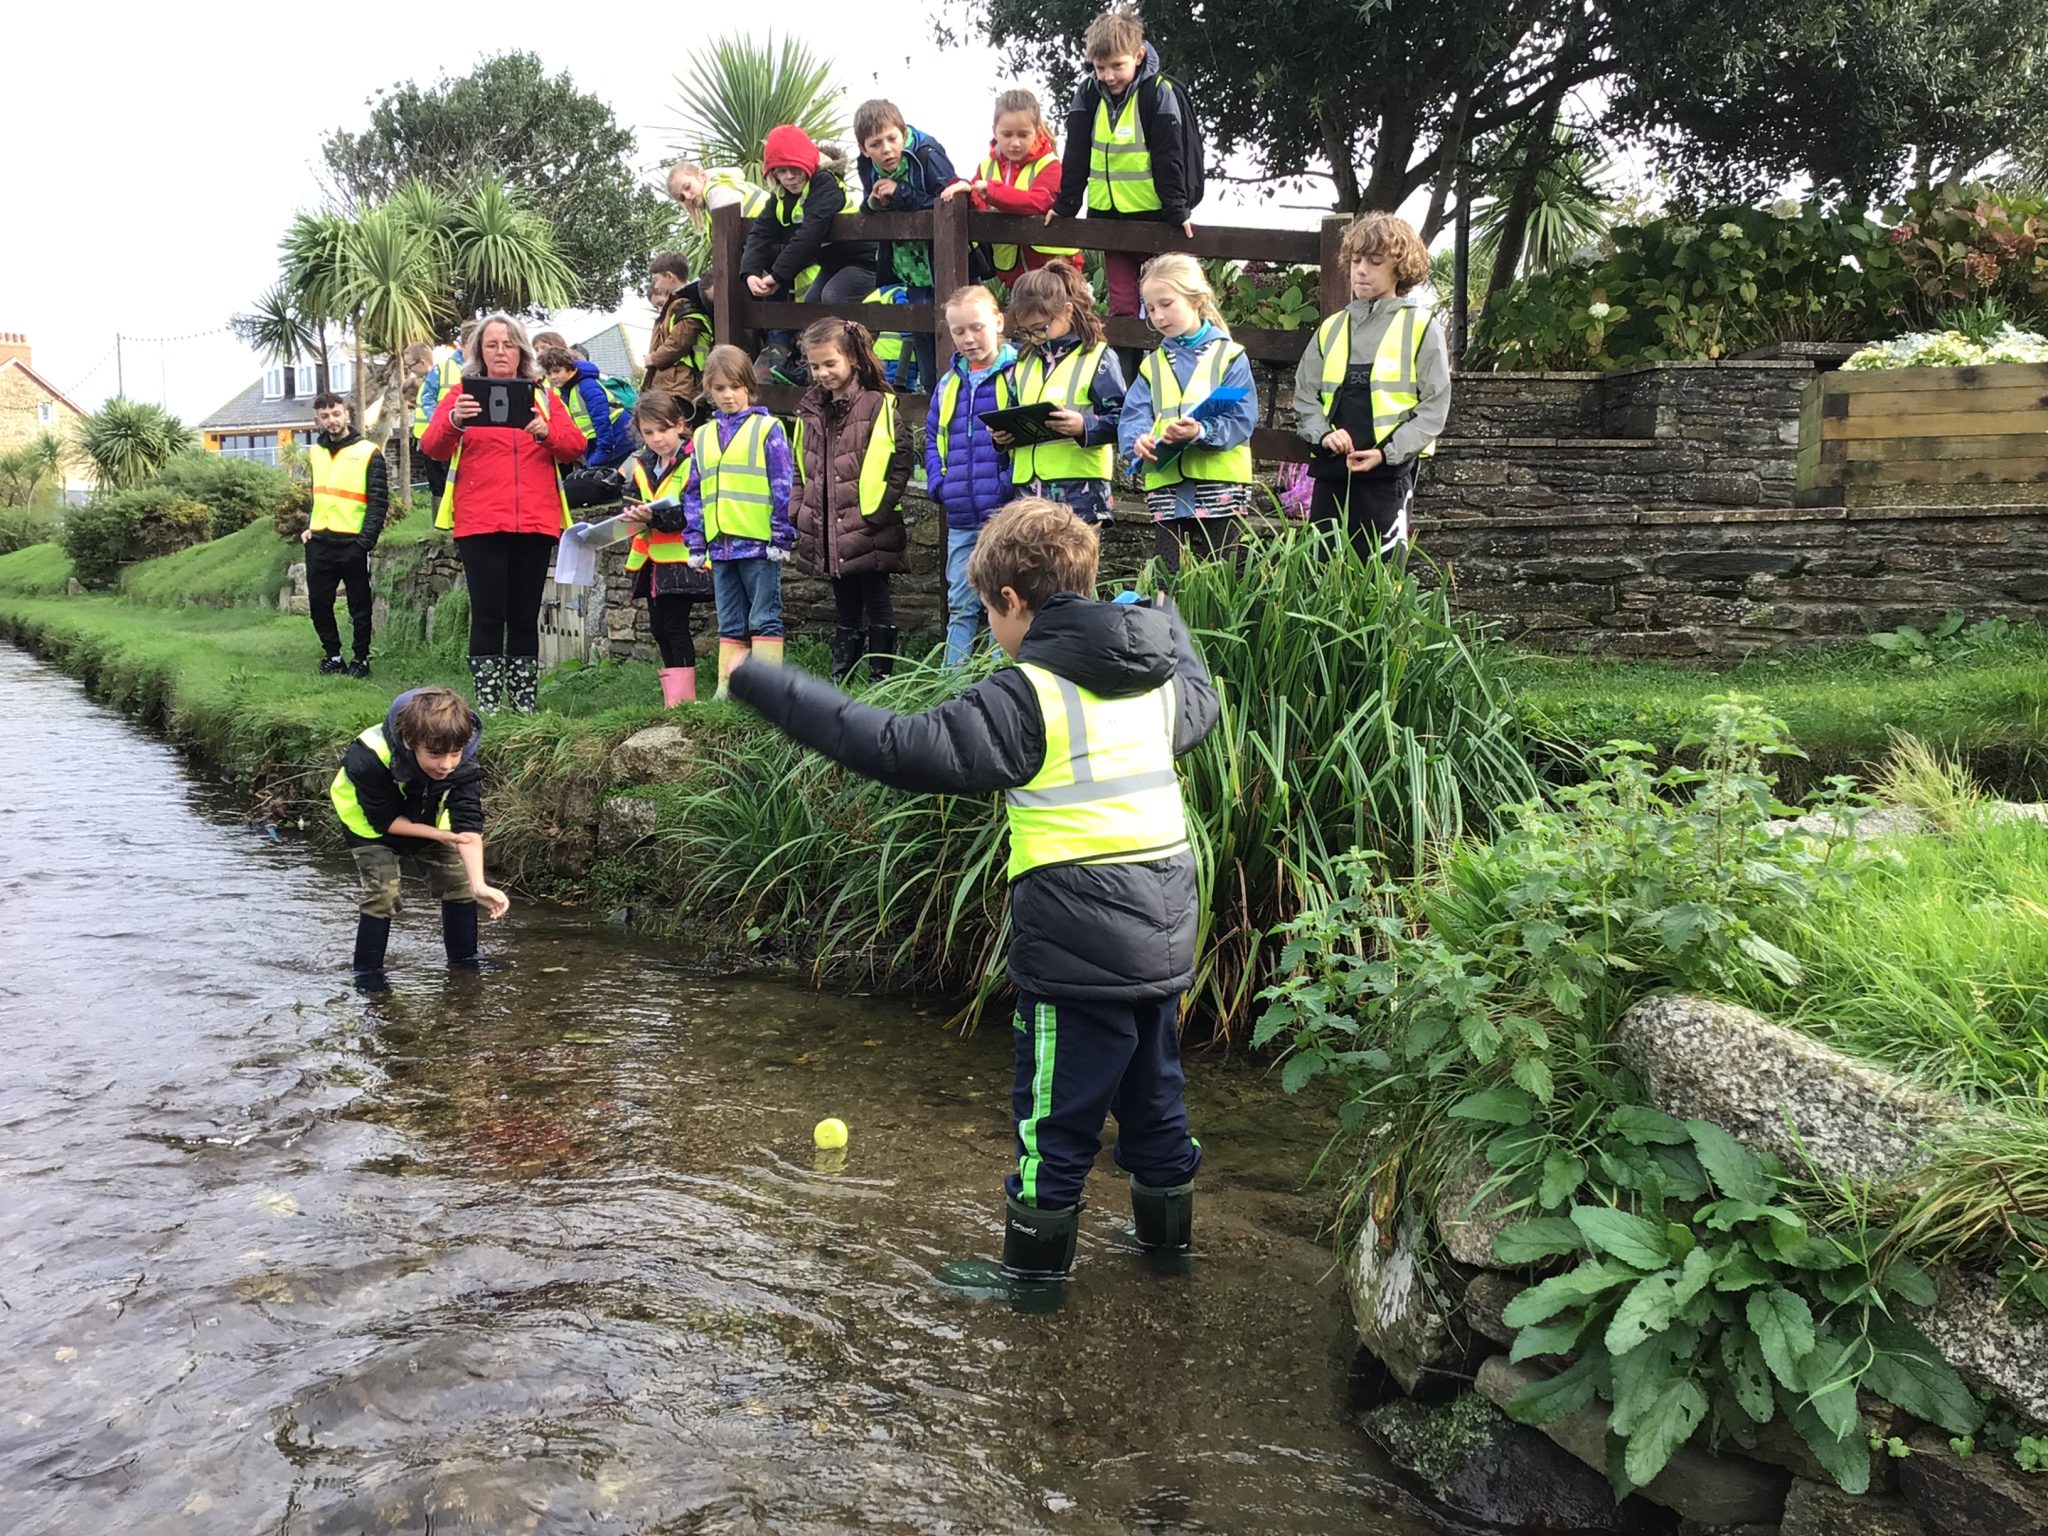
(403, 789)
(1081, 931)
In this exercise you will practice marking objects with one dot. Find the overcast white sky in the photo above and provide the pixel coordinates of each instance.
(162, 149)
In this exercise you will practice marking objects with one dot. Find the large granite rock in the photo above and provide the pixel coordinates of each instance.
(661, 754)
(624, 820)
(1713, 1490)
(1468, 1220)
(1822, 1509)
(1715, 1061)
(1987, 1341)
(1399, 1320)
(1983, 1495)
(1481, 1464)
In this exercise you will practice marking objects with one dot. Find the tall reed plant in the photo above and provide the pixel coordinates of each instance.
(1356, 712)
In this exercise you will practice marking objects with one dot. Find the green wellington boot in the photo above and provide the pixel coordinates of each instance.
(1163, 1221)
(1038, 1254)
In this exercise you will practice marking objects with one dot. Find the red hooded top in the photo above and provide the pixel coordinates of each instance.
(1002, 195)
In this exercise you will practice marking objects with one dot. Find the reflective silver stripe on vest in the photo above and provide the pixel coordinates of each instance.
(1081, 791)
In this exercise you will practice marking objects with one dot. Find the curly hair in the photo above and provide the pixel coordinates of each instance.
(1036, 548)
(1387, 237)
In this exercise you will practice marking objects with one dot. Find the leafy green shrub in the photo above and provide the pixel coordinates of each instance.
(23, 526)
(1952, 349)
(138, 524)
(1952, 640)
(236, 491)
(1262, 294)
(1966, 245)
(293, 514)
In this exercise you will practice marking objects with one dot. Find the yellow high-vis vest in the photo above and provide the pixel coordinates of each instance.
(1119, 164)
(738, 497)
(1195, 462)
(349, 807)
(1396, 370)
(992, 170)
(652, 543)
(1107, 792)
(341, 486)
(1065, 385)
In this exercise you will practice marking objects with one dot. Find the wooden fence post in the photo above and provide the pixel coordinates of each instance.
(950, 269)
(1334, 291)
(728, 237)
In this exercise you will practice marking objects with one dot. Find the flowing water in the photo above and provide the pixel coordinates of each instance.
(549, 1249)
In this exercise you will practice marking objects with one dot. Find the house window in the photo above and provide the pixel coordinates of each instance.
(307, 437)
(341, 377)
(307, 380)
(46, 413)
(273, 384)
(258, 447)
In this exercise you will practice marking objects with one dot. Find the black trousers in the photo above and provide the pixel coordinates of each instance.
(1371, 508)
(668, 619)
(1206, 537)
(437, 474)
(506, 572)
(1079, 1062)
(863, 601)
(332, 563)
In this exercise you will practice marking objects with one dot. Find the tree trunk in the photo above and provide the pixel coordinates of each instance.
(362, 384)
(1391, 175)
(1343, 169)
(1538, 134)
(1450, 154)
(395, 402)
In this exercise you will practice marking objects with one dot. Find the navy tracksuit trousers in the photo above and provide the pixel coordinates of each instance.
(1078, 1062)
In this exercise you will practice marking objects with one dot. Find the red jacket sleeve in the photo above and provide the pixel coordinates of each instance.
(441, 438)
(565, 440)
(1037, 198)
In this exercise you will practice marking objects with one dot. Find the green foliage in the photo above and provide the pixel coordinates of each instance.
(1974, 246)
(37, 570)
(1261, 294)
(22, 526)
(556, 149)
(244, 567)
(130, 441)
(31, 469)
(1568, 212)
(1953, 348)
(1953, 639)
(236, 492)
(119, 526)
(737, 89)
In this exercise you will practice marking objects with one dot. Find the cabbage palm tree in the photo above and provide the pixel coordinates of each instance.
(502, 254)
(395, 289)
(1569, 208)
(128, 441)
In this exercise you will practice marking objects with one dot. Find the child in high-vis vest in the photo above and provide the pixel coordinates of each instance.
(681, 339)
(1021, 177)
(736, 511)
(902, 170)
(409, 794)
(965, 470)
(1374, 389)
(1061, 359)
(1081, 736)
(603, 423)
(1125, 145)
(351, 488)
(853, 459)
(1198, 473)
(659, 558)
(787, 256)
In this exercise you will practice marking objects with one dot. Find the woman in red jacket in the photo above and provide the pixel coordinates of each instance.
(504, 500)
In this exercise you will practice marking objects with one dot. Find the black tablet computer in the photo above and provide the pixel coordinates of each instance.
(506, 402)
(1026, 424)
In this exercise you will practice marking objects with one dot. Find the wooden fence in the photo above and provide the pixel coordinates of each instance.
(1925, 436)
(952, 227)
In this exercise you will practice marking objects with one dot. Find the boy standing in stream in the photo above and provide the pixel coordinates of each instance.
(1081, 737)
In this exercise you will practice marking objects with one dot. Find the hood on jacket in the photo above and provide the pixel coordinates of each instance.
(586, 369)
(1006, 355)
(1087, 92)
(334, 443)
(1041, 147)
(1112, 649)
(1418, 297)
(789, 146)
(402, 764)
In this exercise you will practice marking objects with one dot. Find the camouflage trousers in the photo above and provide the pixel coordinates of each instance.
(379, 867)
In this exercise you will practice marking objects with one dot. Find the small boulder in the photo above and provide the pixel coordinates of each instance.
(1715, 1061)
(1982, 1495)
(661, 754)
(1487, 1295)
(1399, 1320)
(1713, 1490)
(1989, 1342)
(1822, 1509)
(1469, 1221)
(624, 820)
(1887, 821)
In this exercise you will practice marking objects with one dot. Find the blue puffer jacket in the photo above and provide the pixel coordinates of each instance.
(974, 484)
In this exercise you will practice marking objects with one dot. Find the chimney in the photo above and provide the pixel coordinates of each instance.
(13, 348)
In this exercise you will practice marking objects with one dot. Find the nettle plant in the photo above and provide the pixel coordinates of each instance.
(1467, 1015)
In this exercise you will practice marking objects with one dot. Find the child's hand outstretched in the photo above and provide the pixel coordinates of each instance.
(494, 901)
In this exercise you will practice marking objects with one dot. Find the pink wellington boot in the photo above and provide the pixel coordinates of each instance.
(678, 686)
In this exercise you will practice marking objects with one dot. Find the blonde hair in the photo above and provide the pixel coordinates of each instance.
(1116, 32)
(1038, 549)
(1020, 100)
(871, 117)
(1184, 275)
(972, 293)
(1384, 236)
(729, 365)
(529, 360)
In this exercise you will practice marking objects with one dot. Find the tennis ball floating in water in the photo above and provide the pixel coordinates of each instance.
(830, 1135)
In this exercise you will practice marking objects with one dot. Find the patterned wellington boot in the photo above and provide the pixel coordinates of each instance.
(488, 674)
(522, 684)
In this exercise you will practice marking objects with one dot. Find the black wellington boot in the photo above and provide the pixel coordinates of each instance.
(1038, 1254)
(1163, 1220)
(847, 646)
(373, 936)
(458, 933)
(881, 651)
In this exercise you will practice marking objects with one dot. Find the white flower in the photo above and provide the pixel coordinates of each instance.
(1731, 231)
(1787, 208)
(1684, 234)
(1599, 311)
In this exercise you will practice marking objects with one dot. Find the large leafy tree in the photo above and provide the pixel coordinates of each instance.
(559, 147)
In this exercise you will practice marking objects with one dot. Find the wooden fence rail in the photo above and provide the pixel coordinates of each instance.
(951, 228)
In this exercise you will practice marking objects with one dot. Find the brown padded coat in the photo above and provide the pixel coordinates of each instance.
(675, 335)
(835, 439)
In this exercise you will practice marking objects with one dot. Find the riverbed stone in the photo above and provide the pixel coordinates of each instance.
(1399, 1321)
(660, 754)
(1983, 1495)
(1822, 1509)
(1713, 1490)
(1482, 1465)
(1469, 1221)
(1762, 1083)
(1989, 1343)
(1487, 1295)
(624, 820)
(1887, 821)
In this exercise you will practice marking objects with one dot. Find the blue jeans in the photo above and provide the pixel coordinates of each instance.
(963, 608)
(749, 597)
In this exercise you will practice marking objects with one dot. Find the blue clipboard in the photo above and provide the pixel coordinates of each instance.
(1207, 409)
